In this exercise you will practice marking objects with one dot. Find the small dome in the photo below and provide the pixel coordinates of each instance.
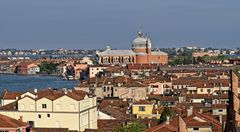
(141, 41)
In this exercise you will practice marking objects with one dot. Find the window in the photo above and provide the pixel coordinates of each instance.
(196, 129)
(209, 90)
(220, 110)
(39, 116)
(133, 91)
(31, 123)
(48, 115)
(44, 106)
(141, 108)
(104, 89)
(201, 90)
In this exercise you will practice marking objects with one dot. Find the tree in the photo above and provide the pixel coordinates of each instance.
(133, 127)
(48, 67)
(166, 113)
(206, 59)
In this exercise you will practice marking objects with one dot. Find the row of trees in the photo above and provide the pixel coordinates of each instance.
(48, 67)
(184, 60)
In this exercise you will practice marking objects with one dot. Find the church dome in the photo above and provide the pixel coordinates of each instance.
(141, 41)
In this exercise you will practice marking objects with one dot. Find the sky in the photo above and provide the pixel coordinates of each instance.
(94, 24)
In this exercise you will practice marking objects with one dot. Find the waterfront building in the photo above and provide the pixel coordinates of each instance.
(201, 54)
(27, 68)
(96, 69)
(141, 53)
(86, 60)
(72, 109)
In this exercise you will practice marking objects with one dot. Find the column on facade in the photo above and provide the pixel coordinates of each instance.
(111, 59)
(99, 60)
(103, 59)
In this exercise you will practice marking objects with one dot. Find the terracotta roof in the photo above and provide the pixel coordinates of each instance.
(10, 95)
(49, 129)
(164, 127)
(109, 125)
(11, 106)
(206, 96)
(188, 81)
(183, 71)
(209, 120)
(77, 94)
(55, 94)
(123, 81)
(25, 64)
(115, 69)
(115, 103)
(115, 113)
(219, 106)
(142, 66)
(8, 122)
(163, 98)
(143, 102)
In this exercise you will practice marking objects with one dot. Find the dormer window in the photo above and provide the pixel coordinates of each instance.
(44, 106)
(141, 108)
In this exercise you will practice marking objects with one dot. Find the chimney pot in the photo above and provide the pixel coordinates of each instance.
(168, 120)
(21, 118)
(35, 90)
(190, 111)
(220, 119)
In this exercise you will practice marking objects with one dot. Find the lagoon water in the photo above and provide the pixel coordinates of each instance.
(23, 83)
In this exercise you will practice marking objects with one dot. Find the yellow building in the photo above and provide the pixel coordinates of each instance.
(144, 109)
(72, 109)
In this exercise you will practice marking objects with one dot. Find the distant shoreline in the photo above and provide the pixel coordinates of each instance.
(54, 75)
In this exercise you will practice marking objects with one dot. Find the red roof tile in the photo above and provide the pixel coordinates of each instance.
(8, 122)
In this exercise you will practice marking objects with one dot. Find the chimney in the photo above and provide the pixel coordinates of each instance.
(220, 119)
(190, 111)
(20, 118)
(168, 120)
(35, 90)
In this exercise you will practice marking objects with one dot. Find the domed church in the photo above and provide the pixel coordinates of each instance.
(141, 53)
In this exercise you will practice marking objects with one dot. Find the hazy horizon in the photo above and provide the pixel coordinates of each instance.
(52, 24)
